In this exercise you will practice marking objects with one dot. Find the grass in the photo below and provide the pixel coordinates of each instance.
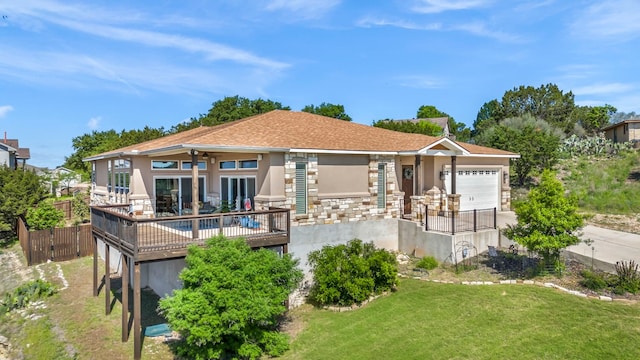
(448, 321)
(604, 185)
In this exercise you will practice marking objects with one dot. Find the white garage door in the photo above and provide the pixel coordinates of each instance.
(478, 188)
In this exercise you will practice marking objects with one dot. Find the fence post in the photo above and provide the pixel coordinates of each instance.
(426, 217)
(495, 215)
(475, 220)
(51, 245)
(453, 223)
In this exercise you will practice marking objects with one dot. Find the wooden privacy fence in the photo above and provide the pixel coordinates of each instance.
(66, 206)
(59, 244)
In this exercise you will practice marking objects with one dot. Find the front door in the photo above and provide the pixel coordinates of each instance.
(407, 186)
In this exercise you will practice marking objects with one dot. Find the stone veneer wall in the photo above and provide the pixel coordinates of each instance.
(505, 202)
(342, 209)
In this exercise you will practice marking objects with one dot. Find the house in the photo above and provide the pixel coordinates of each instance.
(67, 181)
(11, 154)
(624, 131)
(305, 179)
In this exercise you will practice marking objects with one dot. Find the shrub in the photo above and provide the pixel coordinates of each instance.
(427, 263)
(26, 293)
(349, 274)
(593, 281)
(232, 300)
(45, 216)
(628, 278)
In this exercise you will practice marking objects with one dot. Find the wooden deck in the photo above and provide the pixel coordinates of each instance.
(169, 237)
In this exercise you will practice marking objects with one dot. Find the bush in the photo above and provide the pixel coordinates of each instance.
(628, 278)
(427, 263)
(232, 301)
(592, 281)
(349, 274)
(45, 216)
(26, 293)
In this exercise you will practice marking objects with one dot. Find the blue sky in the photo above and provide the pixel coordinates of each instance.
(70, 67)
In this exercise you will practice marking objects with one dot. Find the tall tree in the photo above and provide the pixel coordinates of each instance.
(19, 191)
(488, 115)
(231, 301)
(458, 129)
(593, 118)
(548, 220)
(229, 109)
(535, 140)
(423, 127)
(328, 109)
(547, 102)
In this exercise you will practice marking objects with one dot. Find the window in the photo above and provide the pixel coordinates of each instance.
(122, 180)
(228, 165)
(236, 190)
(164, 165)
(248, 164)
(301, 188)
(382, 186)
(186, 165)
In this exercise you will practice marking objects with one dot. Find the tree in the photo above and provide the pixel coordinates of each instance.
(593, 118)
(423, 127)
(65, 179)
(547, 102)
(351, 273)
(457, 129)
(329, 110)
(229, 109)
(19, 191)
(45, 216)
(547, 220)
(535, 140)
(488, 115)
(232, 300)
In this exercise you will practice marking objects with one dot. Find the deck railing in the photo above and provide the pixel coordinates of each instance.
(137, 236)
(460, 221)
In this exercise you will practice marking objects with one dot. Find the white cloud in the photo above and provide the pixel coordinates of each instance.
(613, 19)
(4, 110)
(305, 8)
(94, 122)
(480, 29)
(603, 89)
(438, 6)
(371, 21)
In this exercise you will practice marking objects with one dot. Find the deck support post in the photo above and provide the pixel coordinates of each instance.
(125, 298)
(107, 281)
(95, 266)
(137, 328)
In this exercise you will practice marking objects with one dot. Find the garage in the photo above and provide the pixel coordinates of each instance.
(479, 188)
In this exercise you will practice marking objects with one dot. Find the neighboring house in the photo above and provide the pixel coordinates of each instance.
(624, 131)
(67, 180)
(11, 154)
(330, 180)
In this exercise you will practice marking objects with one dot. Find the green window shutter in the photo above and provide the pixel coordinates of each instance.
(301, 188)
(382, 186)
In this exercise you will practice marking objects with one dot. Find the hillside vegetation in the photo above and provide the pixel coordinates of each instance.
(604, 185)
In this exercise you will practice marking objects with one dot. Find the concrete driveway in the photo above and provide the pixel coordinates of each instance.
(606, 247)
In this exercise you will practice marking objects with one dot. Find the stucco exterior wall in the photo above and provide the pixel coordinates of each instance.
(412, 239)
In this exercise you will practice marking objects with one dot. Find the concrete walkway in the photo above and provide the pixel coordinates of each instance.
(607, 247)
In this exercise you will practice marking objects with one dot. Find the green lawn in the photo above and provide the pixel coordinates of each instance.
(425, 320)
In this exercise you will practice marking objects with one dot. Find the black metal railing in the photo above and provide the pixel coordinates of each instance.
(454, 222)
(143, 235)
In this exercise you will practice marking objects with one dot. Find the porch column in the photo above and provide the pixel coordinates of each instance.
(107, 281)
(417, 179)
(453, 174)
(137, 327)
(125, 298)
(195, 192)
